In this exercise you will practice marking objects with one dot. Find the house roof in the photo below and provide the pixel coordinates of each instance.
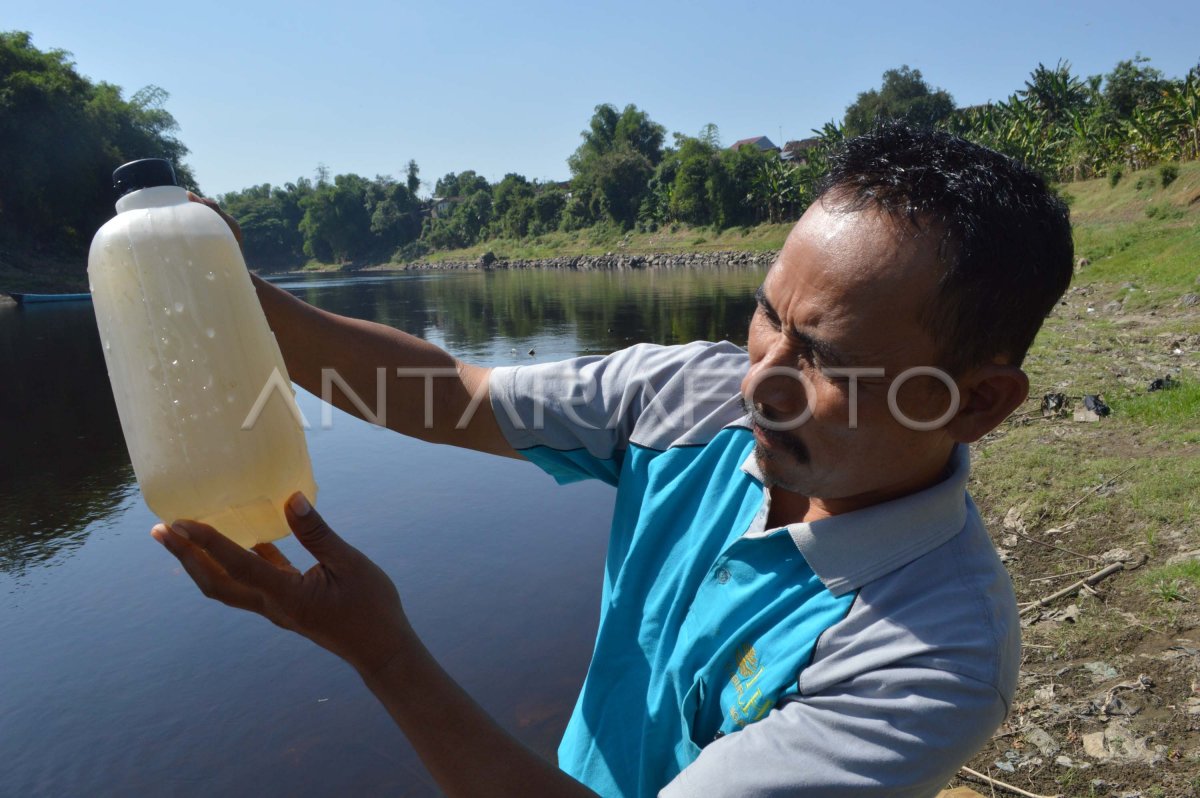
(762, 142)
(797, 149)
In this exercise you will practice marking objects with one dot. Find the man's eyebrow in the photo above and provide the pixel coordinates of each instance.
(823, 349)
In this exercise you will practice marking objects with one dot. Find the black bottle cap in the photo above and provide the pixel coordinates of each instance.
(145, 173)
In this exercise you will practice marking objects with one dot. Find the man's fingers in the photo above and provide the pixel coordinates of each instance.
(312, 531)
(274, 556)
(208, 576)
(242, 566)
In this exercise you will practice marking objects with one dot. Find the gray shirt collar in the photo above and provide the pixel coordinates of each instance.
(847, 551)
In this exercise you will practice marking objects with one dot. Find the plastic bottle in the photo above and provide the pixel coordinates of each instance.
(204, 399)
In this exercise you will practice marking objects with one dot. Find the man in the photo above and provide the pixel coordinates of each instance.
(800, 597)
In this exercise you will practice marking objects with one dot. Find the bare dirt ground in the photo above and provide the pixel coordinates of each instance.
(1109, 697)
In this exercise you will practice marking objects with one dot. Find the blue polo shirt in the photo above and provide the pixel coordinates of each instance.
(711, 624)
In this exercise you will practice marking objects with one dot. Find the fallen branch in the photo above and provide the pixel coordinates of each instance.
(1095, 578)
(1052, 577)
(974, 774)
(1056, 548)
(1096, 489)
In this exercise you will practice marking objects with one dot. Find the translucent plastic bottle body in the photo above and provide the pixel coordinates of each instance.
(201, 389)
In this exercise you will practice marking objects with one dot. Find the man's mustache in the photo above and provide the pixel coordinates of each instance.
(764, 425)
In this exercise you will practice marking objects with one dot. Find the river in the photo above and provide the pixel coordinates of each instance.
(118, 678)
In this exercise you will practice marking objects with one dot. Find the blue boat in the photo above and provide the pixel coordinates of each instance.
(29, 299)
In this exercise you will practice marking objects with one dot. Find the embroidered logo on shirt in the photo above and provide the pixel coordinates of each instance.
(749, 703)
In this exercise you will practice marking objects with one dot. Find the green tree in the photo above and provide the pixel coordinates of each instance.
(395, 216)
(612, 167)
(412, 177)
(336, 224)
(61, 135)
(1132, 84)
(904, 95)
(690, 194)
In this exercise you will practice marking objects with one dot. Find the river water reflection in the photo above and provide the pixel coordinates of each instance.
(118, 678)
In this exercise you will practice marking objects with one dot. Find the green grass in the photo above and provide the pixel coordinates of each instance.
(1151, 253)
(603, 239)
(1178, 407)
(1095, 201)
(1176, 582)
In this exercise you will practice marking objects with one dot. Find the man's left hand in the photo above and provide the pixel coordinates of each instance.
(344, 603)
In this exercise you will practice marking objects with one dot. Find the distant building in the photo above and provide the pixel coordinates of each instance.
(762, 143)
(442, 206)
(797, 151)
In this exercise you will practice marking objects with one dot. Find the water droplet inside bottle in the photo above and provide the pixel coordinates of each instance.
(174, 362)
(107, 345)
(91, 287)
(175, 401)
(194, 416)
(210, 332)
(165, 340)
(210, 276)
(229, 397)
(179, 307)
(167, 311)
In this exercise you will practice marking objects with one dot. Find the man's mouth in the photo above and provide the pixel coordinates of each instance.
(772, 441)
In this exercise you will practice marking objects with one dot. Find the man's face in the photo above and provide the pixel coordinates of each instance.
(846, 292)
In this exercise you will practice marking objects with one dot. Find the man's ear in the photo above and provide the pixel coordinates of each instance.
(988, 395)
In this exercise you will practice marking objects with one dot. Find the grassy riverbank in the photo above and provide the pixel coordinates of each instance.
(1109, 702)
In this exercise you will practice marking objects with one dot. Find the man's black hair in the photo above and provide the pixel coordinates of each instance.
(1006, 248)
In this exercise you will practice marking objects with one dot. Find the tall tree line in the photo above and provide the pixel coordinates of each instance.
(61, 134)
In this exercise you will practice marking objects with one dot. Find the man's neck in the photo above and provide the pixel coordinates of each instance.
(790, 508)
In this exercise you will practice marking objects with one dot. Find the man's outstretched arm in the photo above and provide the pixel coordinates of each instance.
(348, 605)
(427, 393)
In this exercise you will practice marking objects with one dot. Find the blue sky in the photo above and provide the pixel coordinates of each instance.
(264, 91)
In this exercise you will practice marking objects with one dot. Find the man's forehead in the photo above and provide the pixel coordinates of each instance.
(837, 247)
(856, 280)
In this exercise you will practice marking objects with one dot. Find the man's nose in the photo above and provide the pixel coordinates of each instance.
(775, 387)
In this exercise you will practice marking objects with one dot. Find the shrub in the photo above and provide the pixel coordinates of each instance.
(1167, 173)
(1114, 176)
(413, 250)
(1164, 210)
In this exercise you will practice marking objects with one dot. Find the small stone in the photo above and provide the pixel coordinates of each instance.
(1101, 671)
(1064, 761)
(1116, 555)
(1041, 739)
(1045, 695)
(1013, 520)
(1093, 745)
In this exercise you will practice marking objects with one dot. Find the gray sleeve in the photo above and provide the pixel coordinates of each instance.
(900, 732)
(575, 418)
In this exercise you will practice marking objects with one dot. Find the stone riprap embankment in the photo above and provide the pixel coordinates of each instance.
(608, 262)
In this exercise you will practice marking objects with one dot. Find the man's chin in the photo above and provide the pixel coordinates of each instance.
(779, 469)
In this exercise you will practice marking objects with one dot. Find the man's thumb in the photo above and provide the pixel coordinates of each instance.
(311, 530)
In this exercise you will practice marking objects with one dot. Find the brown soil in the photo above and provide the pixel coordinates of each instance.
(1109, 697)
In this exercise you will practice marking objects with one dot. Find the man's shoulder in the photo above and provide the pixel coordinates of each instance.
(690, 392)
(951, 609)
